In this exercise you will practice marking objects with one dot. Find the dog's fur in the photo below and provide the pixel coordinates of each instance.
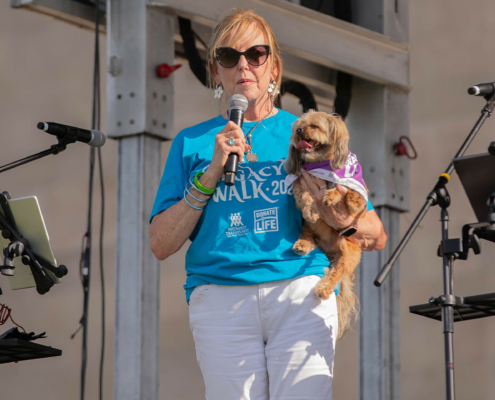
(329, 138)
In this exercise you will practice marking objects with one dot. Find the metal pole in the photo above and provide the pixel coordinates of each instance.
(379, 330)
(448, 311)
(137, 272)
(140, 117)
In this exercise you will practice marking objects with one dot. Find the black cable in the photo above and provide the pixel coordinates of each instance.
(102, 356)
(200, 40)
(86, 273)
(343, 87)
(97, 125)
(196, 63)
(85, 264)
(343, 10)
(87, 2)
(298, 89)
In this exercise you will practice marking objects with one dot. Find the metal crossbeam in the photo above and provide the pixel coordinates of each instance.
(72, 12)
(313, 36)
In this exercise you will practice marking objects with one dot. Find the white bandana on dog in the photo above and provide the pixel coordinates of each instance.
(350, 176)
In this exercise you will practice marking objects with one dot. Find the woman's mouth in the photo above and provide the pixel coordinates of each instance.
(244, 81)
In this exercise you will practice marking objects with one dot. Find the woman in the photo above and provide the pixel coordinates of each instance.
(259, 330)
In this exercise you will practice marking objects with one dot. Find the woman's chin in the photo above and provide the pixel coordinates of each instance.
(250, 94)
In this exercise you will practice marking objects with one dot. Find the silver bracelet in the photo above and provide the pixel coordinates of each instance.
(194, 197)
(190, 205)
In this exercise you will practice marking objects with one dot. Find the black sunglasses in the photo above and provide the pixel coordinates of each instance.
(228, 57)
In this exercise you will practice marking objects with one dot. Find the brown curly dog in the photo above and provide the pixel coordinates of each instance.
(316, 137)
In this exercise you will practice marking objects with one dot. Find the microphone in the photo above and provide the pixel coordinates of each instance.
(238, 104)
(482, 89)
(71, 134)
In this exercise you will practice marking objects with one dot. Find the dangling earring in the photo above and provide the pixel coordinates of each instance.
(273, 91)
(218, 91)
(218, 95)
(271, 86)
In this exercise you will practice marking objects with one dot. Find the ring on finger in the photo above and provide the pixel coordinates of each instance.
(231, 141)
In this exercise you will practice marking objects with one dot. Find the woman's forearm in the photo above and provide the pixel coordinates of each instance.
(171, 228)
(370, 234)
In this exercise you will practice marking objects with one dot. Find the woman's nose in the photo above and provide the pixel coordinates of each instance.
(243, 64)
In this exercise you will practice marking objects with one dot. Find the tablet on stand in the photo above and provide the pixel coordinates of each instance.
(477, 175)
(22, 218)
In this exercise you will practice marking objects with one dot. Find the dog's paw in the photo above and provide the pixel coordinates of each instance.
(355, 202)
(323, 290)
(332, 197)
(302, 247)
(310, 215)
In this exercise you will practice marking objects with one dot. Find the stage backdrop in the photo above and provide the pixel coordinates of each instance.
(46, 75)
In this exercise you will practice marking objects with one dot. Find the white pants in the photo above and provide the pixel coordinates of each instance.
(269, 341)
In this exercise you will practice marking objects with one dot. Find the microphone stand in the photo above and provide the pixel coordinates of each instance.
(438, 192)
(449, 250)
(69, 137)
(55, 149)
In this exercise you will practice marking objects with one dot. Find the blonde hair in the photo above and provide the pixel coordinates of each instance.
(240, 20)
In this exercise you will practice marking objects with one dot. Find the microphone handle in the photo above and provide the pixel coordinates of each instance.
(60, 130)
(237, 116)
(230, 169)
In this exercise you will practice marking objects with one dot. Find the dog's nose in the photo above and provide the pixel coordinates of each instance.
(299, 131)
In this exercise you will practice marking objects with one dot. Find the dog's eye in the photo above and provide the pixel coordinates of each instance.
(299, 131)
(314, 127)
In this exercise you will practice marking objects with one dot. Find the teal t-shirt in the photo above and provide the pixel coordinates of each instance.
(246, 232)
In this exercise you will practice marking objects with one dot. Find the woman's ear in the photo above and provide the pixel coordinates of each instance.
(214, 72)
(292, 163)
(274, 74)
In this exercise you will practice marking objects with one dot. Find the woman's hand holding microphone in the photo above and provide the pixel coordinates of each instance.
(222, 151)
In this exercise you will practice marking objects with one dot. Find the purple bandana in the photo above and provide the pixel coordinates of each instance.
(351, 175)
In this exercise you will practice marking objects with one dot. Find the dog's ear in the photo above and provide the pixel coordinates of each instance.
(292, 163)
(340, 134)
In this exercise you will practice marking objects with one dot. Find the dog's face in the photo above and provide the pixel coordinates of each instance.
(318, 136)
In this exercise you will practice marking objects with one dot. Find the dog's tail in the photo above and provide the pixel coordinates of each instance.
(347, 305)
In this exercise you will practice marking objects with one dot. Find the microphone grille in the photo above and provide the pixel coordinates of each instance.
(238, 102)
(98, 138)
